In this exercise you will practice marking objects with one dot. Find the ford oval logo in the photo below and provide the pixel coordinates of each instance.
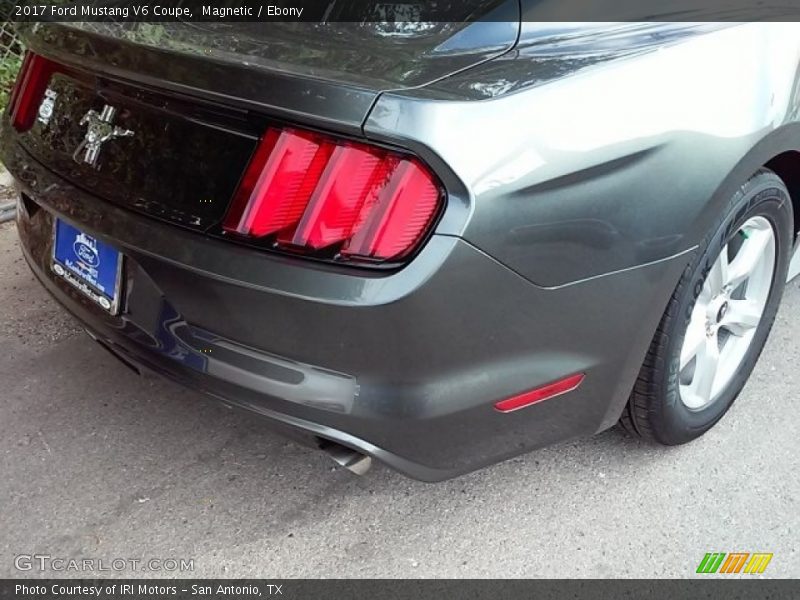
(86, 253)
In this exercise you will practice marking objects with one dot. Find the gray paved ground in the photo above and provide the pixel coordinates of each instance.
(97, 462)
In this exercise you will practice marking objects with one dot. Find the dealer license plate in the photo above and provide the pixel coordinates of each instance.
(88, 264)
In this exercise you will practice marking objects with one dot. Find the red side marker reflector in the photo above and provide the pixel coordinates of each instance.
(545, 392)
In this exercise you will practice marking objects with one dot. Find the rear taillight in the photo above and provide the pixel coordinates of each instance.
(312, 192)
(32, 81)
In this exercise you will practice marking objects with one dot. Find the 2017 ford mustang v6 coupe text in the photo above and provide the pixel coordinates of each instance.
(438, 245)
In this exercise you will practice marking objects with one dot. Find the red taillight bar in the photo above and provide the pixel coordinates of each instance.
(12, 102)
(401, 210)
(281, 175)
(335, 204)
(551, 390)
(32, 81)
(313, 191)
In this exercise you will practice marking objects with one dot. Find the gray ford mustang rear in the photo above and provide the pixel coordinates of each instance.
(439, 246)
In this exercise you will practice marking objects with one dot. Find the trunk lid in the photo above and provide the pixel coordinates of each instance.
(326, 73)
(173, 159)
(196, 97)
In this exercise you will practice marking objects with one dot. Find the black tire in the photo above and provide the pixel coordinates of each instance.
(655, 410)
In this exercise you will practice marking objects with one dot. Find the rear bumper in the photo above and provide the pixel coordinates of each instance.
(404, 367)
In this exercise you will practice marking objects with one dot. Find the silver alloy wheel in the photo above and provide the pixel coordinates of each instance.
(727, 313)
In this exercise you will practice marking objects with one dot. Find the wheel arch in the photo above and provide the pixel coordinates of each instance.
(778, 151)
(787, 166)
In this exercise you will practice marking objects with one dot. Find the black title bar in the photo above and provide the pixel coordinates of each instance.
(398, 10)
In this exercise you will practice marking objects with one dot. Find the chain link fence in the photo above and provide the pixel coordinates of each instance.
(10, 45)
(10, 53)
(10, 59)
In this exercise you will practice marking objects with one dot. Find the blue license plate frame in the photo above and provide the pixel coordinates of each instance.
(88, 264)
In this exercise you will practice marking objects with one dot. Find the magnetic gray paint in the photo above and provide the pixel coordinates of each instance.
(603, 162)
(574, 199)
(429, 357)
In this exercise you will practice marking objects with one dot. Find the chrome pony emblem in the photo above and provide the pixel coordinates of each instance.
(100, 131)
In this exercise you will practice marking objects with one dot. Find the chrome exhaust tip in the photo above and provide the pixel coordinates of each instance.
(352, 460)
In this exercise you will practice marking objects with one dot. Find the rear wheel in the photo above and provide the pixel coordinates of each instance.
(718, 318)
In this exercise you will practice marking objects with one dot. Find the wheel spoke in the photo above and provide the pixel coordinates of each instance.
(742, 316)
(748, 257)
(695, 337)
(719, 273)
(705, 371)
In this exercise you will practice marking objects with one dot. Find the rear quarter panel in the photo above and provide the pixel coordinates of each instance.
(588, 167)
